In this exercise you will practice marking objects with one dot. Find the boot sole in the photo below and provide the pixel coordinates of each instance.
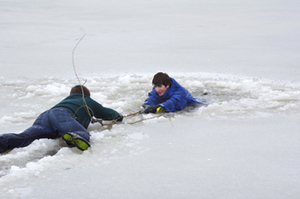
(76, 140)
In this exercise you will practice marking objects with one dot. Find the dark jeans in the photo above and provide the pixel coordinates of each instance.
(50, 124)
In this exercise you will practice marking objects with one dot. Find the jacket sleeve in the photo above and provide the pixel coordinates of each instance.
(104, 113)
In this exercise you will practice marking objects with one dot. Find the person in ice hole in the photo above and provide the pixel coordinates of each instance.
(168, 95)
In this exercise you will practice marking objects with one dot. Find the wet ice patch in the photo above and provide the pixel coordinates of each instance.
(246, 96)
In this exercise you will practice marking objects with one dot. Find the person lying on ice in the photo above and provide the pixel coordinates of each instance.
(68, 119)
(168, 95)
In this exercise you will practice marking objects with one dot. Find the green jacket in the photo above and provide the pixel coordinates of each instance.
(74, 103)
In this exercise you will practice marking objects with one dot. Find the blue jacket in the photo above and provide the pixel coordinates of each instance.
(175, 98)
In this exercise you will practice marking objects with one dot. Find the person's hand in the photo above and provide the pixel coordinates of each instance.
(152, 109)
(120, 118)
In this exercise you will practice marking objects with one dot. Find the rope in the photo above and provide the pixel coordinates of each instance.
(132, 114)
(115, 121)
(87, 109)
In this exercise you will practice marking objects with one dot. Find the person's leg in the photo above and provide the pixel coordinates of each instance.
(69, 129)
(38, 130)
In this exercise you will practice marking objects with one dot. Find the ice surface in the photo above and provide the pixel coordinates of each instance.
(243, 143)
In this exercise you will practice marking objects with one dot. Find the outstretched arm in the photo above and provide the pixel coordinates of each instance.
(107, 113)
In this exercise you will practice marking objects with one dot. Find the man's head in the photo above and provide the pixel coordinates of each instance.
(161, 82)
(78, 89)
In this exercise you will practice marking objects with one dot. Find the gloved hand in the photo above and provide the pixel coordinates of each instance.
(120, 118)
(152, 109)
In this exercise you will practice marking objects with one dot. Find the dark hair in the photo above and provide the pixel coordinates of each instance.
(77, 89)
(161, 79)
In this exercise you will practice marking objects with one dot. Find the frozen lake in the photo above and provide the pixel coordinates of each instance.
(244, 144)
